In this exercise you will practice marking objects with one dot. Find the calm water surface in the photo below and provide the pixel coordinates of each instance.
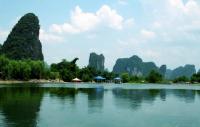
(90, 105)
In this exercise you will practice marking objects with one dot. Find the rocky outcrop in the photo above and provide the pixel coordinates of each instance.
(168, 73)
(23, 41)
(187, 71)
(135, 66)
(96, 61)
(163, 70)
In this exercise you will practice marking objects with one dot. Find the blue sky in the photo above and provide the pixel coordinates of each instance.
(163, 31)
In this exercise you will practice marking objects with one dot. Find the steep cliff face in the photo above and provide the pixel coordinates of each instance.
(163, 70)
(97, 61)
(135, 66)
(187, 70)
(23, 41)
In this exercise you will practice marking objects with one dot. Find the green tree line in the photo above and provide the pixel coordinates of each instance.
(66, 71)
(31, 69)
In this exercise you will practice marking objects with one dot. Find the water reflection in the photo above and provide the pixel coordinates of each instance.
(187, 96)
(95, 99)
(126, 98)
(20, 106)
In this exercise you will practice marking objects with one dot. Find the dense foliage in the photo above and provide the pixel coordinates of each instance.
(195, 78)
(154, 77)
(23, 41)
(29, 69)
(126, 78)
(21, 69)
(67, 70)
(181, 79)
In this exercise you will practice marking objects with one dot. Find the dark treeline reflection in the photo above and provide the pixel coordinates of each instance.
(126, 98)
(94, 95)
(95, 99)
(20, 106)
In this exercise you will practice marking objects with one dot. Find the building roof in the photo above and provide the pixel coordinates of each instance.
(117, 78)
(99, 78)
(76, 80)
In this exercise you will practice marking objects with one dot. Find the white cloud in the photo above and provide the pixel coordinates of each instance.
(85, 21)
(49, 37)
(64, 28)
(146, 34)
(190, 7)
(110, 17)
(177, 21)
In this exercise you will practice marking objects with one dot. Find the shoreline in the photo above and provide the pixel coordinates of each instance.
(60, 81)
(30, 81)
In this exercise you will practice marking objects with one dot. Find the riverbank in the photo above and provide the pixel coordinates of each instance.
(43, 81)
(30, 81)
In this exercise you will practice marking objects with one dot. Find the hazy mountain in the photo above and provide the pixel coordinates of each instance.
(23, 41)
(135, 66)
(97, 61)
(168, 73)
(187, 70)
(163, 69)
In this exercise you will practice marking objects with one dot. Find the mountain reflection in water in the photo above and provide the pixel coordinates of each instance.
(24, 106)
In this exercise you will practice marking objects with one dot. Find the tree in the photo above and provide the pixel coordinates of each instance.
(181, 79)
(136, 79)
(3, 67)
(125, 77)
(195, 78)
(154, 77)
(67, 70)
(25, 71)
(37, 69)
(54, 75)
(87, 74)
(21, 69)
(86, 78)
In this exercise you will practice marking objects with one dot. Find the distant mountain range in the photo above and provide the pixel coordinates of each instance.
(135, 66)
(187, 71)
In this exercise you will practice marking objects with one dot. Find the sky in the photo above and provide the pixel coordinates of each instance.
(162, 31)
